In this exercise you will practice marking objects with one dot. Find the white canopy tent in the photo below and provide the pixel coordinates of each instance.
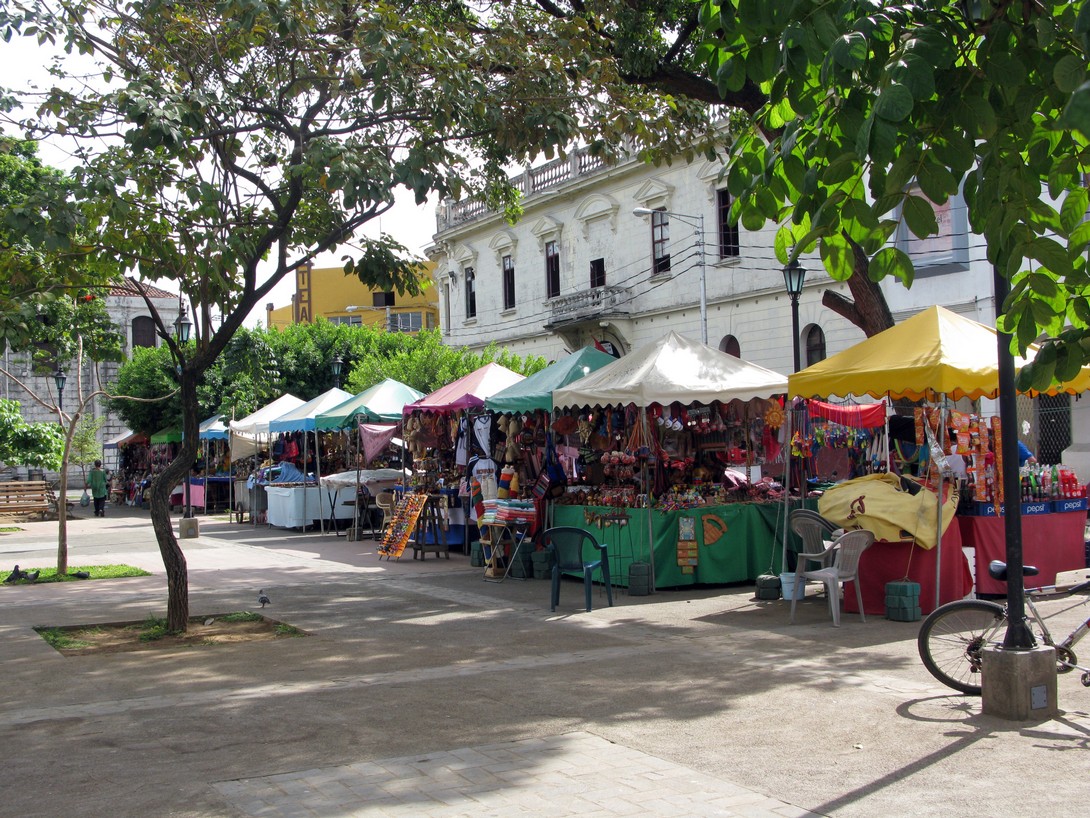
(249, 433)
(673, 368)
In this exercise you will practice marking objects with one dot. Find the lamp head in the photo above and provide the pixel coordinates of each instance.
(794, 274)
(642, 211)
(60, 379)
(336, 364)
(183, 325)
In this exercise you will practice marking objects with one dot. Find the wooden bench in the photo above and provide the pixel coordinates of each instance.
(27, 497)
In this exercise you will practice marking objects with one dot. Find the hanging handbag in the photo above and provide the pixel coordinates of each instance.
(558, 481)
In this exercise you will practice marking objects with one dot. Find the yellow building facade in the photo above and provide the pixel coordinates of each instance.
(326, 292)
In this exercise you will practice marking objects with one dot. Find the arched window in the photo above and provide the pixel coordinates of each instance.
(729, 345)
(815, 345)
(143, 332)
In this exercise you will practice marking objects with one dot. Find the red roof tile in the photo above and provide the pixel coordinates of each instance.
(131, 289)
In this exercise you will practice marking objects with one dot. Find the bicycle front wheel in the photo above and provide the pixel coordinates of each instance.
(952, 638)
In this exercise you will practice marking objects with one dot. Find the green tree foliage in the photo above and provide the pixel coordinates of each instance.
(40, 445)
(146, 395)
(71, 326)
(237, 140)
(42, 255)
(86, 449)
(423, 363)
(873, 113)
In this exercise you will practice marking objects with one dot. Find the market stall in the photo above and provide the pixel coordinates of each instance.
(249, 448)
(449, 434)
(521, 414)
(130, 473)
(212, 476)
(689, 429)
(295, 439)
(936, 356)
(375, 414)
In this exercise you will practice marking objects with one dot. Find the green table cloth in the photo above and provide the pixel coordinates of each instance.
(749, 546)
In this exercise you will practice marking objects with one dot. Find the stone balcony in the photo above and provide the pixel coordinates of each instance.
(591, 305)
(578, 163)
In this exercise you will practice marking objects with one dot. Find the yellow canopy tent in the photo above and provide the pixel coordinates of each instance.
(932, 353)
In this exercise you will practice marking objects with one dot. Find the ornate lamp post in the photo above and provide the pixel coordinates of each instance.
(60, 379)
(794, 275)
(182, 327)
(336, 365)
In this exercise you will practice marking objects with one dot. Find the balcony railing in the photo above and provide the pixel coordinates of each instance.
(579, 162)
(590, 304)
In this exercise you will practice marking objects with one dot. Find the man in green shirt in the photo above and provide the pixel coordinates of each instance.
(96, 481)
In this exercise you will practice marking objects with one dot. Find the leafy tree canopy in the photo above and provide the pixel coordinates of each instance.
(423, 363)
(28, 444)
(34, 272)
(873, 113)
(150, 376)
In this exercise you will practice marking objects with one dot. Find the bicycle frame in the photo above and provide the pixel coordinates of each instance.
(1046, 636)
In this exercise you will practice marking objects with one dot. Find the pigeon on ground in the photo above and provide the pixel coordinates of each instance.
(31, 576)
(82, 575)
(263, 598)
(15, 575)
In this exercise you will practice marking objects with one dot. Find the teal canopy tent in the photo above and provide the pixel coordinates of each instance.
(214, 429)
(381, 403)
(536, 391)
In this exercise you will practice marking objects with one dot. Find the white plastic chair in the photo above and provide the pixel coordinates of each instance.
(815, 532)
(845, 553)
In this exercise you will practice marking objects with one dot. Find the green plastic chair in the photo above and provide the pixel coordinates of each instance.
(567, 545)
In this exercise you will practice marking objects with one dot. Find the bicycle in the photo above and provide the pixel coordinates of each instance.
(953, 636)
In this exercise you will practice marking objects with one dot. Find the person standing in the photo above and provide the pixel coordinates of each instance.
(96, 481)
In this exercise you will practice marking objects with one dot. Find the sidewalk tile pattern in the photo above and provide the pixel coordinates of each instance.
(576, 774)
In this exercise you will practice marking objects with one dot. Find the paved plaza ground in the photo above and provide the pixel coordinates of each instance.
(424, 691)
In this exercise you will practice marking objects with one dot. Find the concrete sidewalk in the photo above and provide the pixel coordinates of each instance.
(424, 691)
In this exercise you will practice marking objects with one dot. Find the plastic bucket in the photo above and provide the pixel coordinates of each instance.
(790, 589)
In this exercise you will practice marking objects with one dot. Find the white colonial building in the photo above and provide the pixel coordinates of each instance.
(617, 254)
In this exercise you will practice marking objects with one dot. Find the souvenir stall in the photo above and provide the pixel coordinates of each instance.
(450, 436)
(130, 472)
(295, 439)
(522, 413)
(164, 448)
(212, 478)
(939, 356)
(375, 414)
(672, 440)
(249, 447)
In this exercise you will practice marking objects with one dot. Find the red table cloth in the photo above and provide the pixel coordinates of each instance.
(1052, 542)
(894, 561)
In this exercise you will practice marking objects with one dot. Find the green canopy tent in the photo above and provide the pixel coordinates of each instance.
(381, 403)
(167, 436)
(536, 391)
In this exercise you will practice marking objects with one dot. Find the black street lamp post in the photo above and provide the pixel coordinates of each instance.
(794, 274)
(182, 326)
(336, 365)
(60, 379)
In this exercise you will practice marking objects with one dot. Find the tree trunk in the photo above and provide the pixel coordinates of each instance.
(869, 310)
(62, 497)
(177, 470)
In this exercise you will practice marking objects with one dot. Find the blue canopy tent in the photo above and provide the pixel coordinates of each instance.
(305, 419)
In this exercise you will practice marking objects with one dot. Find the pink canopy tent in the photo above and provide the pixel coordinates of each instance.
(468, 392)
